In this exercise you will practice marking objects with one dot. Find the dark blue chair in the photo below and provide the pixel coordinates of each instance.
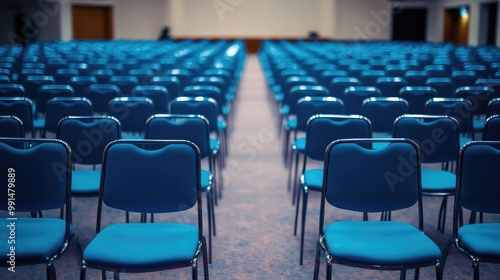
(364, 180)
(38, 240)
(321, 130)
(438, 137)
(87, 136)
(193, 128)
(172, 186)
(477, 191)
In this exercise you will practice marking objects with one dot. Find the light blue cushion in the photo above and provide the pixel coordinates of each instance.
(206, 179)
(37, 239)
(379, 243)
(142, 246)
(313, 179)
(85, 182)
(299, 145)
(435, 180)
(483, 240)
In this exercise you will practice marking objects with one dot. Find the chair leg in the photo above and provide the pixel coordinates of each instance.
(303, 225)
(103, 274)
(402, 274)
(442, 214)
(289, 179)
(444, 256)
(205, 263)
(296, 213)
(294, 177)
(83, 270)
(317, 261)
(328, 271)
(116, 275)
(475, 266)
(209, 215)
(51, 271)
(417, 273)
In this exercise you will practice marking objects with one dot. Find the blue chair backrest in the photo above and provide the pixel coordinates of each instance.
(478, 179)
(48, 159)
(367, 180)
(437, 135)
(314, 105)
(88, 136)
(323, 129)
(168, 177)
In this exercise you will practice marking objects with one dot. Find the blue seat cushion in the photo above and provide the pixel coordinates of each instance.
(379, 243)
(37, 239)
(438, 181)
(291, 124)
(313, 179)
(481, 240)
(299, 145)
(85, 182)
(206, 179)
(142, 246)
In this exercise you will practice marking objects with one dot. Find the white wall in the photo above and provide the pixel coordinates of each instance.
(363, 19)
(247, 18)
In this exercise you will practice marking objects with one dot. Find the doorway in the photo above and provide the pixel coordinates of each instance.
(456, 25)
(92, 22)
(409, 24)
(488, 24)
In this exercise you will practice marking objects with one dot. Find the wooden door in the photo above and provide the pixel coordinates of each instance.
(92, 22)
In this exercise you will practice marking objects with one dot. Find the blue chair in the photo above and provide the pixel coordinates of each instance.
(125, 83)
(438, 137)
(479, 97)
(143, 75)
(38, 240)
(100, 95)
(172, 186)
(417, 96)
(171, 83)
(81, 83)
(390, 86)
(20, 107)
(133, 113)
(193, 128)
(382, 112)
(60, 107)
(477, 191)
(491, 130)
(306, 108)
(458, 108)
(47, 92)
(353, 98)
(369, 77)
(102, 75)
(321, 130)
(11, 126)
(444, 86)
(158, 94)
(64, 75)
(32, 83)
(463, 78)
(208, 108)
(12, 90)
(355, 178)
(338, 85)
(416, 77)
(87, 136)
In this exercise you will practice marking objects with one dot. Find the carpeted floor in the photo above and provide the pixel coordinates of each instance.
(255, 215)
